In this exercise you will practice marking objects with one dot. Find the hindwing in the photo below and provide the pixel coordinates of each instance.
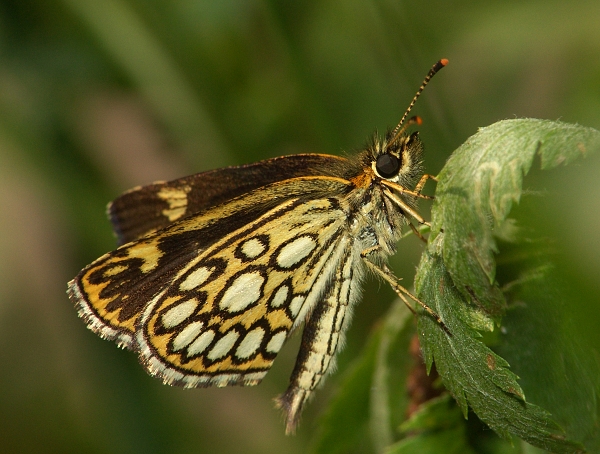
(210, 299)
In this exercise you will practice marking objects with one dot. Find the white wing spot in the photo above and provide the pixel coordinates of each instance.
(187, 335)
(195, 279)
(296, 304)
(345, 291)
(200, 344)
(250, 343)
(340, 318)
(179, 313)
(276, 342)
(295, 251)
(348, 269)
(242, 292)
(223, 345)
(280, 296)
(253, 248)
(333, 340)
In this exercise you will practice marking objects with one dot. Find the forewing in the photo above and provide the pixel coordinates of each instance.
(149, 208)
(210, 299)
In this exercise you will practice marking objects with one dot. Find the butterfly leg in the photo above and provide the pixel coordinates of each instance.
(323, 332)
(417, 233)
(387, 275)
(405, 207)
(422, 181)
(418, 189)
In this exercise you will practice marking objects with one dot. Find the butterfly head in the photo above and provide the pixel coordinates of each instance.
(398, 157)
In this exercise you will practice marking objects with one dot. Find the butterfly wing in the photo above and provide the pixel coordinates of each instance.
(147, 209)
(210, 299)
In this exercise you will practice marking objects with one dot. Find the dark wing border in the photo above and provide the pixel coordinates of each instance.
(146, 209)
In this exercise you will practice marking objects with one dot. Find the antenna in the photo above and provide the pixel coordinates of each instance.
(398, 130)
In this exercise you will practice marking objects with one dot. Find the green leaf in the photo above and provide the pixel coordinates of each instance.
(457, 274)
(538, 332)
(477, 189)
(437, 427)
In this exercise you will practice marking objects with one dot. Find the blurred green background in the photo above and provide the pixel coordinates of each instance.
(97, 97)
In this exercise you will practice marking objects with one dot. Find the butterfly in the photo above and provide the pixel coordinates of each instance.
(215, 270)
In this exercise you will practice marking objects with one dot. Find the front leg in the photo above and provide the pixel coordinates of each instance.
(385, 273)
(422, 181)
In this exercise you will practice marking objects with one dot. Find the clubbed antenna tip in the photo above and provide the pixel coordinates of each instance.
(434, 69)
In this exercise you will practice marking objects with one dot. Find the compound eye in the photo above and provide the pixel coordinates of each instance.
(387, 165)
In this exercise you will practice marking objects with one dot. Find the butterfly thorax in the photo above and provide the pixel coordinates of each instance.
(376, 219)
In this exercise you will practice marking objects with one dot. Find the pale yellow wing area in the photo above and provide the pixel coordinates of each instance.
(228, 313)
(216, 294)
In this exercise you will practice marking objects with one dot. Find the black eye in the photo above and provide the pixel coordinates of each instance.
(387, 165)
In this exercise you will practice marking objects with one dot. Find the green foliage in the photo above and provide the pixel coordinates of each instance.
(438, 427)
(457, 276)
